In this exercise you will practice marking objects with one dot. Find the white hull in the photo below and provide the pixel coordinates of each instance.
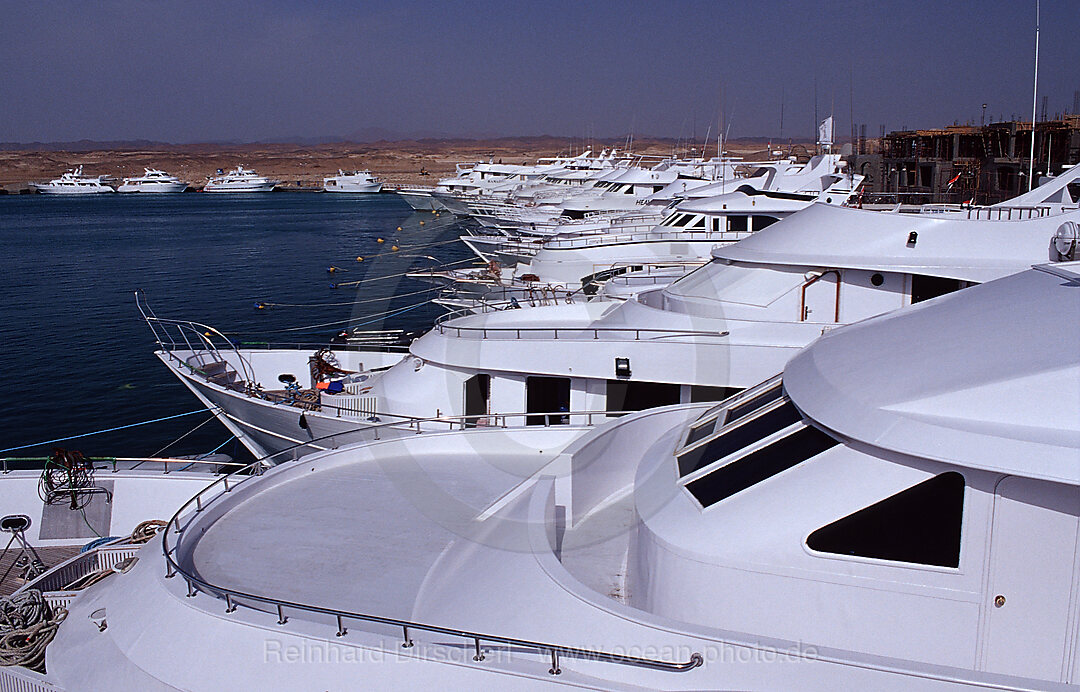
(354, 187)
(72, 191)
(420, 200)
(239, 187)
(152, 187)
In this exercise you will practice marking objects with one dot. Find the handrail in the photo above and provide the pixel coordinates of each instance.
(232, 598)
(204, 334)
(583, 331)
(164, 461)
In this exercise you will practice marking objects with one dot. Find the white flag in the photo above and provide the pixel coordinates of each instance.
(824, 131)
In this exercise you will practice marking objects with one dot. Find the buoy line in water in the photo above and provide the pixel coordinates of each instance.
(263, 304)
(396, 249)
(376, 315)
(399, 274)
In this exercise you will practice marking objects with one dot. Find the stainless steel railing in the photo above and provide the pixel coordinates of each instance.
(574, 333)
(195, 337)
(234, 598)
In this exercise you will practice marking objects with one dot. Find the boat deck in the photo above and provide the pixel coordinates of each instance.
(323, 537)
(596, 550)
(12, 576)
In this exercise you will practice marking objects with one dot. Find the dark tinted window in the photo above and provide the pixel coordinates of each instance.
(761, 222)
(738, 223)
(927, 287)
(624, 395)
(919, 525)
(757, 466)
(700, 393)
(771, 394)
(547, 395)
(734, 439)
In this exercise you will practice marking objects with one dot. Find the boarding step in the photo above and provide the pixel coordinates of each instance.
(218, 372)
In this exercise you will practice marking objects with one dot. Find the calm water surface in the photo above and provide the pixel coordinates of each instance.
(75, 355)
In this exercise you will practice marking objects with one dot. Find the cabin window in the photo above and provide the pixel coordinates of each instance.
(547, 395)
(735, 437)
(767, 396)
(477, 394)
(754, 398)
(699, 222)
(920, 525)
(761, 222)
(624, 395)
(699, 393)
(927, 287)
(739, 223)
(747, 471)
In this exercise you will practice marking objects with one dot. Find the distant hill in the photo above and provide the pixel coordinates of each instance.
(372, 135)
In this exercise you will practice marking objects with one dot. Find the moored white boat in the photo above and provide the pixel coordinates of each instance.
(352, 181)
(239, 180)
(892, 512)
(73, 182)
(152, 180)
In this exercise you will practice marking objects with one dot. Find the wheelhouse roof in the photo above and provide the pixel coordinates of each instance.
(987, 378)
(824, 235)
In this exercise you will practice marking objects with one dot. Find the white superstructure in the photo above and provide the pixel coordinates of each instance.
(352, 181)
(723, 327)
(73, 182)
(152, 180)
(899, 510)
(239, 180)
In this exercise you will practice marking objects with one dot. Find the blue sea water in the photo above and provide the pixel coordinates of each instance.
(75, 355)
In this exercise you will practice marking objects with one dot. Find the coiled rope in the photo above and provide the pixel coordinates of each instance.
(27, 625)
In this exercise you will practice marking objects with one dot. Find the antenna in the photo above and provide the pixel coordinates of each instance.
(816, 121)
(1034, 101)
(781, 113)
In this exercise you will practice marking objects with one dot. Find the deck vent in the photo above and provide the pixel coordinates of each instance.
(912, 238)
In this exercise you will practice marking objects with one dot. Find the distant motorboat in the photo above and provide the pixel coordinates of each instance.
(239, 180)
(73, 182)
(153, 180)
(352, 181)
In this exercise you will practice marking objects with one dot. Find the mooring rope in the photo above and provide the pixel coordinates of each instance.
(98, 432)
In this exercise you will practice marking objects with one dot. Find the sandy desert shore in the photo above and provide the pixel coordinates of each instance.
(397, 163)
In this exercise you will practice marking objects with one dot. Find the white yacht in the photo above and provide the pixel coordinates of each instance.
(73, 182)
(900, 510)
(352, 181)
(721, 328)
(239, 180)
(153, 180)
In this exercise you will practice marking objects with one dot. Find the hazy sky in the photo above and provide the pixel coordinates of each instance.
(200, 71)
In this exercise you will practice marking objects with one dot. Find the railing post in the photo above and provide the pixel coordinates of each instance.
(554, 670)
(226, 484)
(478, 656)
(281, 619)
(407, 644)
(198, 502)
(341, 631)
(229, 606)
(166, 466)
(190, 588)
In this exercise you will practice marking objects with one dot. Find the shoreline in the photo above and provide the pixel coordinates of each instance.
(304, 167)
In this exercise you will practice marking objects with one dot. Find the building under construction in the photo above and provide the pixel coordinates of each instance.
(987, 164)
